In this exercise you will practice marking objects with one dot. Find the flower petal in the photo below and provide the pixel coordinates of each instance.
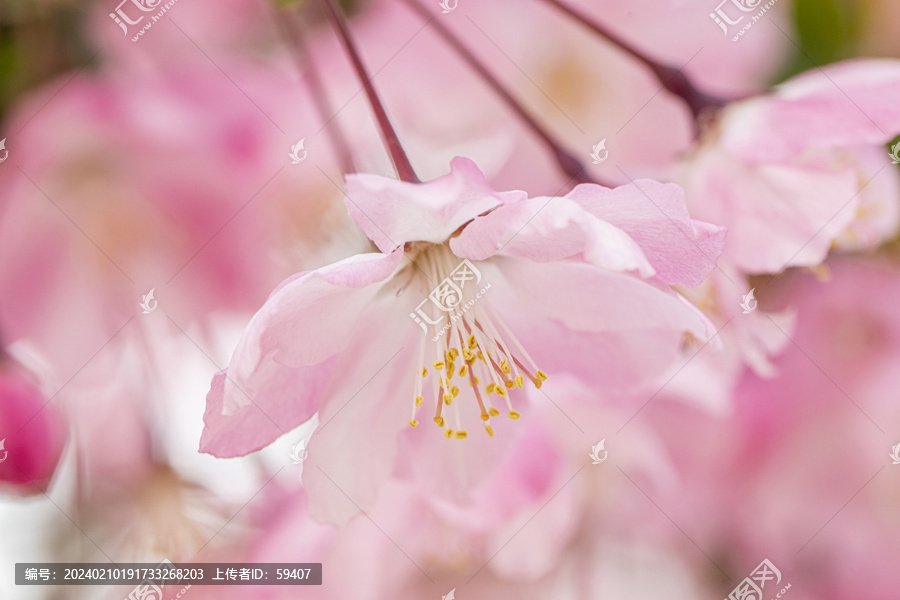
(550, 229)
(585, 298)
(305, 321)
(609, 328)
(354, 449)
(777, 216)
(251, 427)
(279, 372)
(393, 212)
(682, 251)
(853, 103)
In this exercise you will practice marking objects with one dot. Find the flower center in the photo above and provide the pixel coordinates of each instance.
(467, 351)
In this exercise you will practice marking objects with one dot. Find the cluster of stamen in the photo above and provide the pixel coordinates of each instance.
(474, 359)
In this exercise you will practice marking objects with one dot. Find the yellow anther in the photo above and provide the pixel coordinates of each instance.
(501, 391)
(476, 380)
(520, 381)
(540, 375)
(452, 353)
(419, 400)
(463, 370)
(504, 366)
(494, 412)
(509, 384)
(448, 398)
(481, 356)
(438, 364)
(448, 433)
(490, 387)
(490, 430)
(424, 371)
(514, 415)
(455, 391)
(461, 435)
(439, 421)
(468, 356)
(450, 368)
(413, 423)
(484, 416)
(472, 342)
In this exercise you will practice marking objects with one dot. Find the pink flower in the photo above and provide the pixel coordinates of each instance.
(788, 173)
(545, 518)
(31, 435)
(801, 472)
(449, 542)
(576, 283)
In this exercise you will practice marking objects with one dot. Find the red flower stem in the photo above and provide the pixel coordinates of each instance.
(672, 79)
(567, 162)
(398, 155)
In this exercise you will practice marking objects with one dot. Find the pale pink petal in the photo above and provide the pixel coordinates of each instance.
(354, 449)
(853, 103)
(682, 251)
(454, 470)
(286, 399)
(279, 373)
(531, 552)
(610, 328)
(393, 212)
(583, 297)
(305, 322)
(550, 229)
(777, 216)
(878, 210)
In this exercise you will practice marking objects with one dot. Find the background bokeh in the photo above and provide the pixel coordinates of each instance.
(163, 165)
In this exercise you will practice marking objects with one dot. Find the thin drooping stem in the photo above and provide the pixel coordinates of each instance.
(398, 155)
(672, 79)
(294, 31)
(570, 165)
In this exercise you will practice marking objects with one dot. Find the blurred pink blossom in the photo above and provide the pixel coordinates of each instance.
(801, 472)
(582, 279)
(31, 432)
(788, 172)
